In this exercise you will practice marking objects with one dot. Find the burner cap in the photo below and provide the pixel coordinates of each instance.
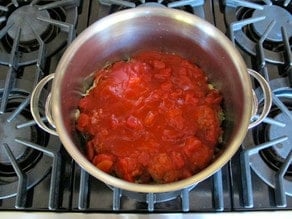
(280, 15)
(8, 133)
(276, 155)
(26, 18)
(282, 149)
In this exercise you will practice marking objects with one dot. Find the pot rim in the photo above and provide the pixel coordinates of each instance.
(81, 159)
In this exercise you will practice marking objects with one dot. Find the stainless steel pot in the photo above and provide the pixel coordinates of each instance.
(117, 37)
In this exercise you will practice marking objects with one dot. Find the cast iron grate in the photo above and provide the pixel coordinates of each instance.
(249, 20)
(192, 6)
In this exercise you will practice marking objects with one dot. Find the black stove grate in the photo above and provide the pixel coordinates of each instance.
(25, 149)
(271, 138)
(32, 34)
(21, 194)
(31, 25)
(191, 6)
(64, 186)
(19, 30)
(152, 199)
(249, 22)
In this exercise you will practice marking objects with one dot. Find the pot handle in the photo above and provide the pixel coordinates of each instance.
(267, 94)
(34, 106)
(255, 120)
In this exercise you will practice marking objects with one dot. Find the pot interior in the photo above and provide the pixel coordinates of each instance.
(125, 33)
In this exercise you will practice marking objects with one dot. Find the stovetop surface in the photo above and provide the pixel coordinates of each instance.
(76, 190)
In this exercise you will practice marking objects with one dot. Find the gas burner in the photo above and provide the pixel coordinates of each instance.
(8, 133)
(269, 160)
(249, 22)
(275, 155)
(192, 6)
(17, 126)
(280, 15)
(26, 19)
(30, 27)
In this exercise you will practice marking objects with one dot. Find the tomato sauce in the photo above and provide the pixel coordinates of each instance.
(151, 119)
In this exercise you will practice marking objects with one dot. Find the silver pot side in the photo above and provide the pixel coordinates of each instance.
(124, 33)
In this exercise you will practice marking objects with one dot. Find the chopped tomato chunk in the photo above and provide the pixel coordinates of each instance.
(104, 162)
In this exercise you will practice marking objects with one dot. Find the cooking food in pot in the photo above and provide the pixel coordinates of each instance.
(154, 118)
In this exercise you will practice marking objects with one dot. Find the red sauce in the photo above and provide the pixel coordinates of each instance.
(153, 118)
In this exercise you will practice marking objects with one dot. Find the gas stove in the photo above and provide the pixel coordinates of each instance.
(38, 176)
